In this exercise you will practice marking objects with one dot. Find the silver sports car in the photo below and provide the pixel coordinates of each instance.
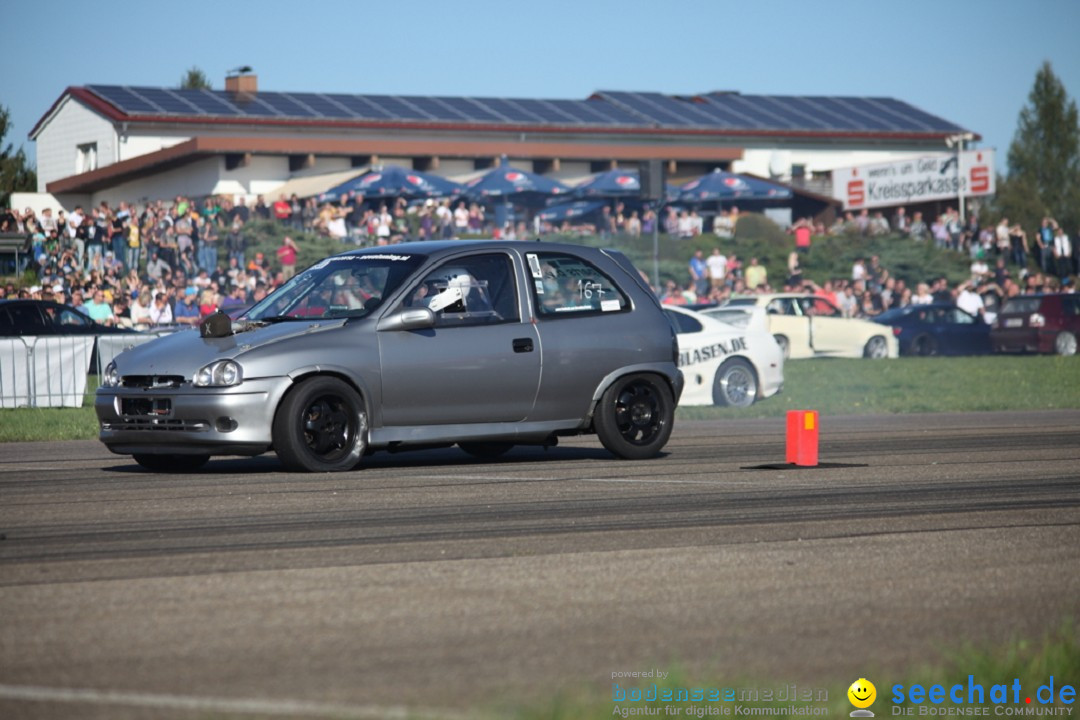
(484, 344)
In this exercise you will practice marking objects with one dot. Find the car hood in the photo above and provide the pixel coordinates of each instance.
(184, 352)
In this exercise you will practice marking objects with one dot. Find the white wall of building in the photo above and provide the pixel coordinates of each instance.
(197, 178)
(71, 126)
(450, 167)
(203, 177)
(324, 165)
(38, 201)
(773, 162)
(570, 170)
(135, 145)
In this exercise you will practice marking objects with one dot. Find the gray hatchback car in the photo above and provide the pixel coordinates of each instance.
(484, 344)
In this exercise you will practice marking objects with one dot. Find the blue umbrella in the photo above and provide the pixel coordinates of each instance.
(394, 181)
(512, 185)
(721, 185)
(613, 183)
(570, 211)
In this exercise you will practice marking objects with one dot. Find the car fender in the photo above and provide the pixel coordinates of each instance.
(664, 370)
(359, 383)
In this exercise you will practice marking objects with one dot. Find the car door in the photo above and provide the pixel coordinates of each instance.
(830, 332)
(787, 319)
(963, 333)
(479, 364)
(587, 328)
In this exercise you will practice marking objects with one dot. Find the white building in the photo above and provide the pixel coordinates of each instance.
(111, 143)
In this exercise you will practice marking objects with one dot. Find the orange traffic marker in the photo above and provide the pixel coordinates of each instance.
(802, 437)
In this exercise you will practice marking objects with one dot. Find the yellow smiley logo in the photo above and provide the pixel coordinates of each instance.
(862, 693)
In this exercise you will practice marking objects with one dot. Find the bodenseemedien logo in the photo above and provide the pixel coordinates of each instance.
(862, 694)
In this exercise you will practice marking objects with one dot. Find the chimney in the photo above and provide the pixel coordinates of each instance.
(242, 85)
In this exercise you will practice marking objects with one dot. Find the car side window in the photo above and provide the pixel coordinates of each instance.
(26, 319)
(822, 308)
(474, 290)
(959, 317)
(66, 318)
(565, 285)
(683, 323)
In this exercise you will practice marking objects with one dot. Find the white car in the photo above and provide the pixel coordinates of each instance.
(727, 363)
(811, 326)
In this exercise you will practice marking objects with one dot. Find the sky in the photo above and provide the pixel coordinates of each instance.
(972, 62)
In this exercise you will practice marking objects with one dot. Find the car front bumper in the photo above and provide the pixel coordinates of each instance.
(190, 421)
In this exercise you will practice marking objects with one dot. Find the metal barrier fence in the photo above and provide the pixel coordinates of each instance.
(51, 371)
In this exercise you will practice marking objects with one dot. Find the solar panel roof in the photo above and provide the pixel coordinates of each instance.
(716, 111)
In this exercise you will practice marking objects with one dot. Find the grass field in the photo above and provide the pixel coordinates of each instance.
(832, 387)
(916, 385)
(1031, 661)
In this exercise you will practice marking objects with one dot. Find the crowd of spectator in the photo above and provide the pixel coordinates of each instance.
(161, 264)
(871, 289)
(175, 263)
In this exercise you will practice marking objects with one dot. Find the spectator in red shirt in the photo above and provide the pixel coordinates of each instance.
(287, 256)
(802, 235)
(282, 209)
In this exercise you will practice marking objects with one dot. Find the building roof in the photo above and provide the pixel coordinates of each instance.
(715, 113)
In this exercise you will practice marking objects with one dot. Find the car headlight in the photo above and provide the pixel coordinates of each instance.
(222, 373)
(111, 377)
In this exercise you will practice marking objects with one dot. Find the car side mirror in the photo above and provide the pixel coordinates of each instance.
(411, 319)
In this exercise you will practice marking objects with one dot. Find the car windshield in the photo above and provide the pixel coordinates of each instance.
(349, 286)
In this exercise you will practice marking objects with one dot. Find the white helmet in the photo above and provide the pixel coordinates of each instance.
(459, 278)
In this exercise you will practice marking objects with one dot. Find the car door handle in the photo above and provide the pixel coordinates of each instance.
(523, 345)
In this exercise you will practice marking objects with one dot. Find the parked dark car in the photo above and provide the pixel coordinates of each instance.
(483, 344)
(42, 318)
(937, 329)
(1046, 323)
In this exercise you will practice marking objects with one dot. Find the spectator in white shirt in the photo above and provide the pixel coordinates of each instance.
(161, 312)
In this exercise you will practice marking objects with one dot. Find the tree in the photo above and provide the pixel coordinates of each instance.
(194, 79)
(1044, 158)
(16, 174)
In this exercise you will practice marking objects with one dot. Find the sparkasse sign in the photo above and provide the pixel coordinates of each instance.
(934, 177)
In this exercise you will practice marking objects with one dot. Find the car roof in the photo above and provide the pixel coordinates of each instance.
(437, 247)
(35, 301)
(771, 296)
(696, 314)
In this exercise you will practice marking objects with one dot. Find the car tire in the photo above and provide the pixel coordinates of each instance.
(171, 463)
(924, 346)
(486, 450)
(785, 345)
(1065, 343)
(320, 426)
(876, 348)
(735, 384)
(635, 416)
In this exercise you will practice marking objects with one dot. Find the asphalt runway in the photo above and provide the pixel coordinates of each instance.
(434, 584)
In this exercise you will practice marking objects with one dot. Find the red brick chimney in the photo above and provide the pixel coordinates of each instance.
(242, 84)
